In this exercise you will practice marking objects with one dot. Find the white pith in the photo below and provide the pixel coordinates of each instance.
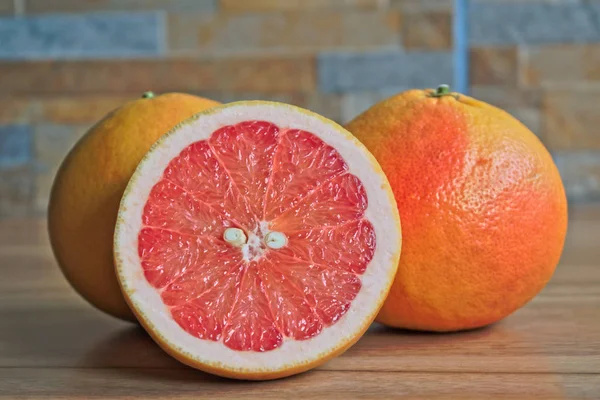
(145, 299)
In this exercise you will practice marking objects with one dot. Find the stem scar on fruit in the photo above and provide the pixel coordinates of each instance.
(443, 90)
(148, 95)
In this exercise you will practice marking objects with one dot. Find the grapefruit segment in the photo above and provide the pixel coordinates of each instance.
(172, 208)
(301, 163)
(198, 172)
(254, 234)
(349, 247)
(165, 254)
(205, 314)
(213, 271)
(251, 324)
(337, 201)
(246, 152)
(294, 316)
(328, 290)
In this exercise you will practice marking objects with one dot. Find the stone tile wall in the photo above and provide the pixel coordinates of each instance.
(65, 63)
(540, 60)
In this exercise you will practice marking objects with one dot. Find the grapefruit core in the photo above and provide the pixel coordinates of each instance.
(257, 240)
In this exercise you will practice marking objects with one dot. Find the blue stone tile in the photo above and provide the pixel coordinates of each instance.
(181, 6)
(579, 172)
(15, 145)
(349, 72)
(498, 23)
(354, 104)
(101, 35)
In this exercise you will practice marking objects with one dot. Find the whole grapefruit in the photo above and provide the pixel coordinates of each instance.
(85, 197)
(483, 208)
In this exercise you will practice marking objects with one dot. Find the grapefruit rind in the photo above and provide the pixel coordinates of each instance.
(292, 356)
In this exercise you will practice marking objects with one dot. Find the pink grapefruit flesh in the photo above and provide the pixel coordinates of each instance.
(256, 234)
(244, 176)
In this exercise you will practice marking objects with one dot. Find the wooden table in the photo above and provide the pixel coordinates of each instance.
(54, 346)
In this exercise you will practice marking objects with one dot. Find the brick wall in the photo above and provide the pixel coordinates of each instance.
(540, 60)
(65, 63)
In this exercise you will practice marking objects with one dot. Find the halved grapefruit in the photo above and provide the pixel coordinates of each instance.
(257, 240)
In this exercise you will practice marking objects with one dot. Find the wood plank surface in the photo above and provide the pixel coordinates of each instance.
(53, 345)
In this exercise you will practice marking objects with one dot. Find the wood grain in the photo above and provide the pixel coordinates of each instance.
(53, 345)
(179, 384)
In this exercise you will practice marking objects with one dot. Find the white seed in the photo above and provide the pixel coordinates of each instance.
(275, 240)
(235, 236)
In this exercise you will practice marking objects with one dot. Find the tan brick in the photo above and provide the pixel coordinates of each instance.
(7, 7)
(421, 5)
(521, 103)
(530, 117)
(504, 96)
(61, 109)
(51, 144)
(114, 76)
(16, 191)
(328, 105)
(493, 66)
(80, 110)
(45, 6)
(571, 119)
(354, 104)
(228, 97)
(267, 74)
(286, 5)
(16, 110)
(561, 65)
(288, 32)
(427, 30)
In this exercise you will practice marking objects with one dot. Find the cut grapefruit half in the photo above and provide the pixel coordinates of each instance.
(257, 240)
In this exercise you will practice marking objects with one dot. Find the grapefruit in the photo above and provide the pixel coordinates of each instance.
(88, 187)
(483, 208)
(257, 240)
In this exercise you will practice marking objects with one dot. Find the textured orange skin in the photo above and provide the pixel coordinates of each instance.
(87, 190)
(483, 208)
